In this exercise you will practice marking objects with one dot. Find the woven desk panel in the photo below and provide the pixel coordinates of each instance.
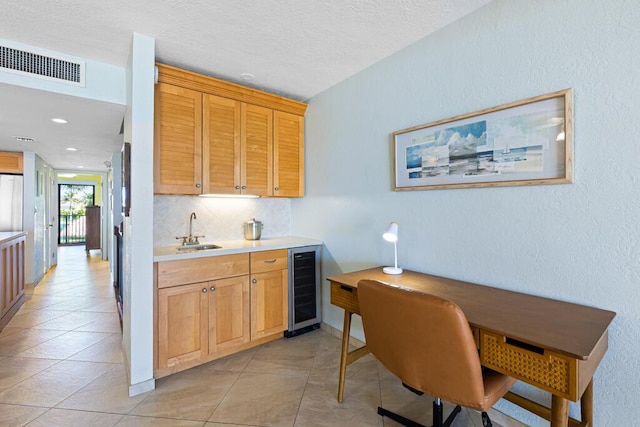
(550, 371)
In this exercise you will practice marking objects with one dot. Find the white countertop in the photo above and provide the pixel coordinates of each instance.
(171, 253)
(5, 236)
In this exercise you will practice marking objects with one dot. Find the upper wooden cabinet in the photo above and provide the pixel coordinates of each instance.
(288, 155)
(257, 150)
(11, 162)
(177, 149)
(237, 145)
(215, 137)
(221, 145)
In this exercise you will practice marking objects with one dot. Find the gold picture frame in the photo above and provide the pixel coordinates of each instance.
(527, 142)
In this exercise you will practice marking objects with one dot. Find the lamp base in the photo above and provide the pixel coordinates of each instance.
(392, 270)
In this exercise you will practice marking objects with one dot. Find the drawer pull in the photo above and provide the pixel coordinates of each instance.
(346, 288)
(270, 261)
(524, 345)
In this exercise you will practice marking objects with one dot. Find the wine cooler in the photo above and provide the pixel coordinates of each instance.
(305, 296)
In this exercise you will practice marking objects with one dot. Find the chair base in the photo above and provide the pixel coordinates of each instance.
(437, 417)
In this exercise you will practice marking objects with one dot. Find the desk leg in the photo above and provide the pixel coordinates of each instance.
(586, 405)
(559, 411)
(346, 331)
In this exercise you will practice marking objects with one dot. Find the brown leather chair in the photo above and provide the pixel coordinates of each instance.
(426, 341)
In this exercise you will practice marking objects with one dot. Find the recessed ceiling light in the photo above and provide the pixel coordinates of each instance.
(247, 77)
(59, 120)
(81, 167)
(66, 175)
(71, 149)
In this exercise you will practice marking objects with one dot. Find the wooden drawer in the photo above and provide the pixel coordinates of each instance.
(550, 371)
(269, 261)
(345, 297)
(180, 272)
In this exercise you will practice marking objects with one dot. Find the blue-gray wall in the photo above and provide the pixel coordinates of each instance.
(577, 242)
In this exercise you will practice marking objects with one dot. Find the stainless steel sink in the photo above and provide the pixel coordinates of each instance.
(202, 247)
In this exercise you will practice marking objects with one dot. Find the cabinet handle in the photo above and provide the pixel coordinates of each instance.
(277, 188)
(244, 187)
(254, 281)
(270, 261)
(198, 185)
(213, 288)
(204, 290)
(237, 187)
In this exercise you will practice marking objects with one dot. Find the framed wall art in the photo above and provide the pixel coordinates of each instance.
(527, 142)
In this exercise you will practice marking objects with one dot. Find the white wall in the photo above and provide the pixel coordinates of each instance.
(577, 242)
(103, 81)
(217, 219)
(138, 227)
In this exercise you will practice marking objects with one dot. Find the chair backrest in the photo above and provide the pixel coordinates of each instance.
(424, 340)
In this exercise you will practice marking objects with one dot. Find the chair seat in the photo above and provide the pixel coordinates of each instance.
(496, 385)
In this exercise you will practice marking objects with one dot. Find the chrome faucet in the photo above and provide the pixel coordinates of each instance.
(191, 218)
(190, 239)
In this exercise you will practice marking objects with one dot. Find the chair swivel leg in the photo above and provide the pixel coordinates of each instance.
(438, 415)
(398, 418)
(486, 422)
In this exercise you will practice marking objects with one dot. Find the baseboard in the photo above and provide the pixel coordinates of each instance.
(338, 334)
(141, 387)
(4, 320)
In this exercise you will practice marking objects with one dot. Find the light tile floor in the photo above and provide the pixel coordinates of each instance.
(61, 365)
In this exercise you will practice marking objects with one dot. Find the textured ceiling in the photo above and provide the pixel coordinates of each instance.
(293, 48)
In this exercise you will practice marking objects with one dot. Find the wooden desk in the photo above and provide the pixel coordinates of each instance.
(552, 345)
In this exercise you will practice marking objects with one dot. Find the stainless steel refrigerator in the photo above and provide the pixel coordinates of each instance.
(11, 202)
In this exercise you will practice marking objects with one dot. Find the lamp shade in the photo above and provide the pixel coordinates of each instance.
(391, 235)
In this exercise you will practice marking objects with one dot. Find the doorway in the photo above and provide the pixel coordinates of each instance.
(72, 202)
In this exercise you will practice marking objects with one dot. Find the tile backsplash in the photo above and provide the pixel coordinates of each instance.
(217, 218)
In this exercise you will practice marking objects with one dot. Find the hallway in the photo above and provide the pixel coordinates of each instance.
(61, 365)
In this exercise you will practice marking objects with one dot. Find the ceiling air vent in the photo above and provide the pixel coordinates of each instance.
(44, 66)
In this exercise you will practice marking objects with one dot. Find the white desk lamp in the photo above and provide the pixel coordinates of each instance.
(391, 235)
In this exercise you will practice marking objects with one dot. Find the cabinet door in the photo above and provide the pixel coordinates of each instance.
(257, 150)
(228, 313)
(288, 155)
(182, 324)
(178, 140)
(11, 162)
(221, 145)
(269, 303)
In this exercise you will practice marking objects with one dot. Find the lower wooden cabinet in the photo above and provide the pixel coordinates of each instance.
(182, 324)
(269, 303)
(236, 309)
(11, 276)
(228, 313)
